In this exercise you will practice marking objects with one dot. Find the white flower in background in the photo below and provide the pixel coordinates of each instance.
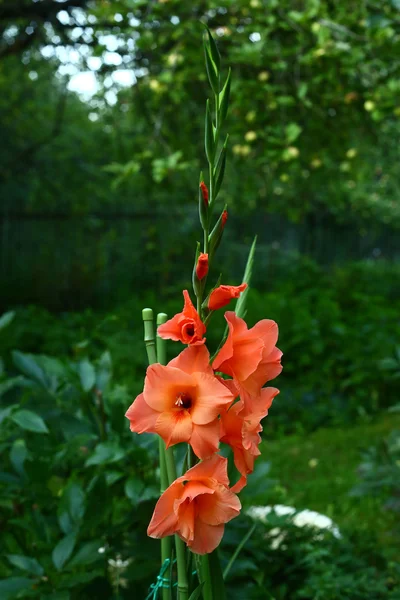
(303, 518)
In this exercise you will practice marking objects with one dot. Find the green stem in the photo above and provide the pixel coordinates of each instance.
(166, 542)
(183, 588)
(149, 339)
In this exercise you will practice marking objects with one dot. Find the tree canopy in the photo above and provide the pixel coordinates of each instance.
(314, 121)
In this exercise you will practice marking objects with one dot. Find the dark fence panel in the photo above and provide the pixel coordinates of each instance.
(69, 262)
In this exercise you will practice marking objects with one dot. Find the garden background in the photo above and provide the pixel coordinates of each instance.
(101, 122)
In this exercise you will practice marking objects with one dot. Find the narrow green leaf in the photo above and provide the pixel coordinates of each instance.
(195, 595)
(27, 364)
(10, 587)
(212, 72)
(214, 586)
(6, 319)
(240, 308)
(87, 374)
(215, 55)
(30, 421)
(224, 97)
(238, 549)
(209, 135)
(26, 564)
(18, 454)
(220, 168)
(63, 550)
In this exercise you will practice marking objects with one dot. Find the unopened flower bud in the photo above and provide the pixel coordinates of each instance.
(216, 234)
(202, 266)
(204, 192)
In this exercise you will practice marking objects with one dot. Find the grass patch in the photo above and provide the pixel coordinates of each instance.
(318, 471)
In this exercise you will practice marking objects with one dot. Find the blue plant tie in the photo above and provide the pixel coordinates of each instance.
(162, 582)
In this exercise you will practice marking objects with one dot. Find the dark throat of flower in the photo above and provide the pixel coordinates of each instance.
(183, 400)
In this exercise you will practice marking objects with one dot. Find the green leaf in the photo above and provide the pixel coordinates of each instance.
(18, 454)
(133, 489)
(13, 382)
(87, 374)
(10, 587)
(214, 587)
(26, 564)
(212, 72)
(5, 412)
(6, 319)
(30, 421)
(63, 550)
(224, 97)
(74, 501)
(107, 452)
(29, 367)
(209, 135)
(240, 308)
(215, 55)
(220, 168)
(112, 477)
(197, 592)
(87, 554)
(104, 371)
(292, 131)
(246, 537)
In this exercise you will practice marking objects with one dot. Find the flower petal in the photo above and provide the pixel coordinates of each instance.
(164, 520)
(206, 537)
(141, 416)
(211, 397)
(174, 426)
(220, 507)
(205, 438)
(162, 384)
(214, 467)
(192, 359)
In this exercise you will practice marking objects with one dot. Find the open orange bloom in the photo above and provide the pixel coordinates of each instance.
(185, 327)
(223, 294)
(181, 402)
(249, 355)
(241, 430)
(196, 506)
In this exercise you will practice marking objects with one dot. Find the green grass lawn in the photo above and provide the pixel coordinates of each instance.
(318, 470)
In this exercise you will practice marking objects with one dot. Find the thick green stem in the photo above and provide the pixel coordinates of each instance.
(149, 339)
(150, 342)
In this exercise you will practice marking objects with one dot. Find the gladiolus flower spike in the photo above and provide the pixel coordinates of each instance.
(190, 401)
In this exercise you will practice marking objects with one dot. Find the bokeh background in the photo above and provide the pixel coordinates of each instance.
(101, 127)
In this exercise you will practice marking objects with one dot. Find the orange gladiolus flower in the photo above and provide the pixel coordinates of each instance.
(223, 294)
(202, 266)
(249, 355)
(196, 506)
(181, 402)
(241, 430)
(185, 327)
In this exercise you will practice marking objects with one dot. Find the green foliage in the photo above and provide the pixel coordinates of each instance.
(380, 472)
(75, 484)
(285, 562)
